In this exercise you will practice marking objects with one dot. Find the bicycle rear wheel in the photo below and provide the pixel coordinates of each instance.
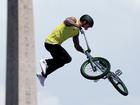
(118, 84)
(101, 68)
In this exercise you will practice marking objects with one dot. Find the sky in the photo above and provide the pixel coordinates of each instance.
(115, 36)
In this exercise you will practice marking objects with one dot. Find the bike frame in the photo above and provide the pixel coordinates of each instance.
(110, 75)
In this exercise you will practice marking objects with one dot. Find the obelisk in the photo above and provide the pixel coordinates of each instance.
(20, 68)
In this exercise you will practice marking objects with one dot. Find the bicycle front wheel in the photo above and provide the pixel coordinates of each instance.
(101, 67)
(118, 84)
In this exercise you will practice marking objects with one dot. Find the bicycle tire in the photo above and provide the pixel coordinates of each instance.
(113, 78)
(91, 77)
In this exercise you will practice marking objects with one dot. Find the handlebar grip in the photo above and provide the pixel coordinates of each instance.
(82, 31)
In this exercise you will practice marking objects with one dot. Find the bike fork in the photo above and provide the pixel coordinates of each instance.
(90, 60)
(93, 68)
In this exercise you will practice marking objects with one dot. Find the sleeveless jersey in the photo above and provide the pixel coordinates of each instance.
(61, 33)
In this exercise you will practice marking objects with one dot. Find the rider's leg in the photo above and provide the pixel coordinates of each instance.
(60, 58)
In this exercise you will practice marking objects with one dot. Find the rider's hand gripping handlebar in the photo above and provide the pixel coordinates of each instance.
(82, 31)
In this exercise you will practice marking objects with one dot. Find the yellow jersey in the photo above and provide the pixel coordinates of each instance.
(61, 33)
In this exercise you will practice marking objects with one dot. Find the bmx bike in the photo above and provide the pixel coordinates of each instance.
(96, 68)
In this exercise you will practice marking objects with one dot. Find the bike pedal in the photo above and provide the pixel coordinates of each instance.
(118, 72)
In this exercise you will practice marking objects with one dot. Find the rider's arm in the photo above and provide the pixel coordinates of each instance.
(76, 44)
(71, 21)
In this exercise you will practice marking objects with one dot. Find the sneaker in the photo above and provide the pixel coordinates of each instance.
(43, 65)
(41, 79)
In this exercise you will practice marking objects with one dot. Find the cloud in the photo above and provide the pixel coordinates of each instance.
(121, 100)
(2, 95)
(3, 49)
(2, 32)
(135, 4)
(44, 99)
(51, 101)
